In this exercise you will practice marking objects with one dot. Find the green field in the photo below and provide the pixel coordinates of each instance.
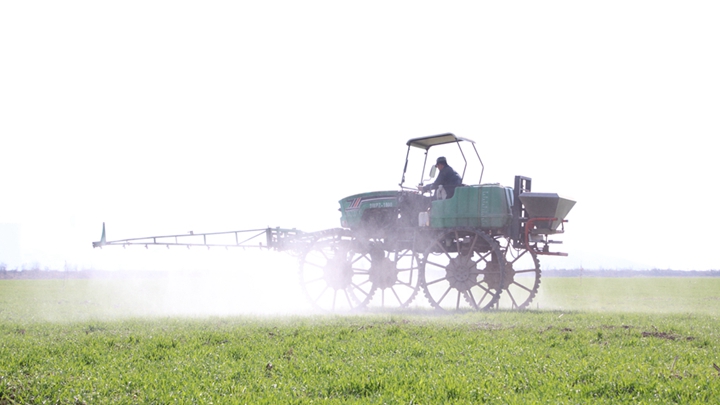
(696, 295)
(630, 340)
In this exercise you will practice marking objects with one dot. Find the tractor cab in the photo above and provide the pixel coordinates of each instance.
(379, 212)
(456, 149)
(495, 209)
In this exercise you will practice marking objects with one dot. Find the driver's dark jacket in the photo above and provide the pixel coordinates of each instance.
(448, 178)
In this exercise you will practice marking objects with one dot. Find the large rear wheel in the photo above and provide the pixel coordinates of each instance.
(462, 269)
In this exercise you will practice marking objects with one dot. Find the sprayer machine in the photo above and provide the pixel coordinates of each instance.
(475, 248)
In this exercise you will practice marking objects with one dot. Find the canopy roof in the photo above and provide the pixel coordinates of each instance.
(426, 142)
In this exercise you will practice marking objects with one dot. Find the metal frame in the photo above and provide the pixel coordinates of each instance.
(519, 215)
(529, 226)
(427, 142)
(268, 238)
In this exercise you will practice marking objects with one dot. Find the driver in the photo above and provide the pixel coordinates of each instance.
(447, 178)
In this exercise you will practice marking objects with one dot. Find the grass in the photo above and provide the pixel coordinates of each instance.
(96, 356)
(641, 294)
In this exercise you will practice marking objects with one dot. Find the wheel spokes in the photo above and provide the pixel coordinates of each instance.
(465, 262)
(521, 277)
(463, 273)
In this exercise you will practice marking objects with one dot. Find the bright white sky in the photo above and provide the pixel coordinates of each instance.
(162, 117)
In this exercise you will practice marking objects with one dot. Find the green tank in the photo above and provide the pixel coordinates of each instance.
(488, 207)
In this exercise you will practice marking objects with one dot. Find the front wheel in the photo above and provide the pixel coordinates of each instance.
(521, 277)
